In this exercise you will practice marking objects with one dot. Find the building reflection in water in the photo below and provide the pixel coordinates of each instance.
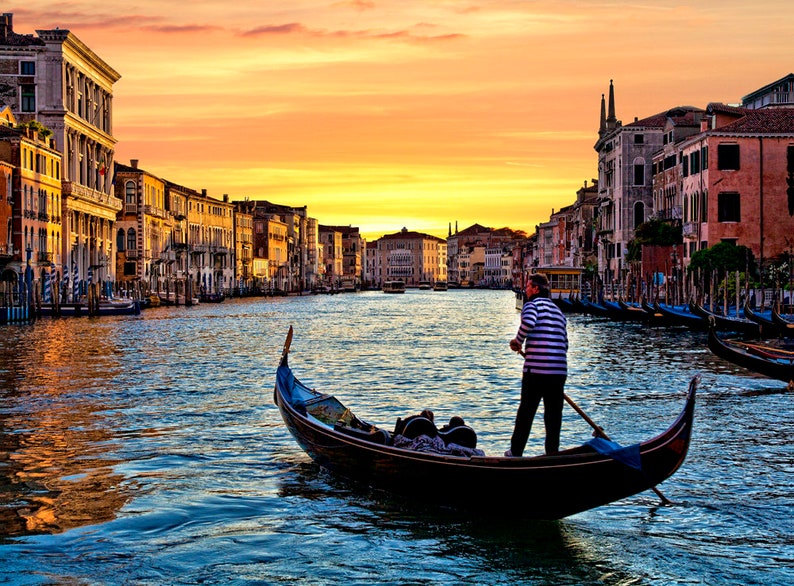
(56, 432)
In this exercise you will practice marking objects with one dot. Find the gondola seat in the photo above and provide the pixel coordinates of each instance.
(462, 435)
(374, 435)
(415, 426)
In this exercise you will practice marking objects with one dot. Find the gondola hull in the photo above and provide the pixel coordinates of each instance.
(741, 356)
(543, 487)
(722, 323)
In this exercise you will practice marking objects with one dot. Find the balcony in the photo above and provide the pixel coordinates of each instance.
(153, 211)
(73, 190)
(131, 253)
(690, 230)
(44, 257)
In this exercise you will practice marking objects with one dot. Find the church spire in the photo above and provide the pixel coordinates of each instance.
(611, 120)
(602, 127)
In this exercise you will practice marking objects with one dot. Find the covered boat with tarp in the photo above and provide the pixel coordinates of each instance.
(547, 486)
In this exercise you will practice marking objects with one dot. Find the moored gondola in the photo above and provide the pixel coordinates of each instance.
(786, 326)
(769, 361)
(723, 323)
(548, 486)
(769, 328)
(683, 316)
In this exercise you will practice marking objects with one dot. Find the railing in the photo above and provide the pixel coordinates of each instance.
(45, 256)
(130, 208)
(72, 189)
(131, 253)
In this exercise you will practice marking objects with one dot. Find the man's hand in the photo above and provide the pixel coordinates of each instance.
(515, 345)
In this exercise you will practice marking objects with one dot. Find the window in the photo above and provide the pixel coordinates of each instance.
(639, 214)
(27, 68)
(728, 157)
(132, 244)
(28, 95)
(728, 209)
(704, 158)
(639, 174)
(685, 166)
(120, 240)
(694, 162)
(129, 193)
(639, 139)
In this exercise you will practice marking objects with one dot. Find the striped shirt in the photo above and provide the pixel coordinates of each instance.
(544, 336)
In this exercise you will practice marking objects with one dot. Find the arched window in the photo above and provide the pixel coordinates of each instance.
(639, 213)
(131, 240)
(130, 193)
(120, 240)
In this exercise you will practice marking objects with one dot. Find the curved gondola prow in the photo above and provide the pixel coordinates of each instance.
(285, 350)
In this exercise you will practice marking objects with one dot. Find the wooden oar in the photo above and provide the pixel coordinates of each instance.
(600, 432)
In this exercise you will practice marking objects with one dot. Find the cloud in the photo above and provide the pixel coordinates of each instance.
(296, 28)
(187, 28)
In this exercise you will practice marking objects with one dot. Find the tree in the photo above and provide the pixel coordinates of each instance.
(658, 233)
(723, 256)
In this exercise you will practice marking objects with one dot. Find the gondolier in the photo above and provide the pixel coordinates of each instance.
(544, 338)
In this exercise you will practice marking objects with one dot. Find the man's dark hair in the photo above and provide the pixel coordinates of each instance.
(541, 281)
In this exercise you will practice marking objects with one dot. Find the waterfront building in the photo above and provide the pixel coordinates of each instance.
(459, 249)
(244, 251)
(412, 257)
(178, 278)
(582, 221)
(54, 78)
(498, 266)
(373, 270)
(738, 181)
(296, 272)
(33, 240)
(210, 243)
(315, 270)
(333, 258)
(8, 277)
(143, 229)
(625, 158)
(353, 253)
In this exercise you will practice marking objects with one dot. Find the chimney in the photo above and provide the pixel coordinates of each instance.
(226, 198)
(134, 163)
(204, 193)
(8, 27)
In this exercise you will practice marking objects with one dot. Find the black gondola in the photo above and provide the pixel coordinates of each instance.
(547, 487)
(769, 327)
(766, 360)
(786, 327)
(722, 323)
(683, 316)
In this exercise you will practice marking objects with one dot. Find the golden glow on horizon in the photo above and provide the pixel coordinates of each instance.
(390, 113)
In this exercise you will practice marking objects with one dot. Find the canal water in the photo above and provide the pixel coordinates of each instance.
(147, 449)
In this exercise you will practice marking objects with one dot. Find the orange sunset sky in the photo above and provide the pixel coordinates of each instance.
(389, 113)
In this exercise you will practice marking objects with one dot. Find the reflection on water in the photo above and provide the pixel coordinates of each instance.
(55, 471)
(147, 449)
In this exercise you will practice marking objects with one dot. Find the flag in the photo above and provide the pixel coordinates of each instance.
(102, 166)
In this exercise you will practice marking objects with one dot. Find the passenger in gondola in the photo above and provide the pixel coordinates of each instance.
(543, 339)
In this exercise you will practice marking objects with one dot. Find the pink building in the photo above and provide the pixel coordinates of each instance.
(737, 180)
